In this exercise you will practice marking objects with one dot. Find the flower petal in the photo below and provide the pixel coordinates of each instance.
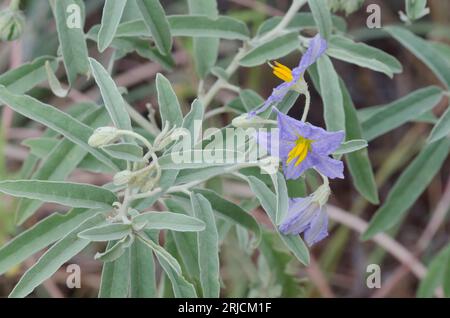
(329, 142)
(300, 214)
(317, 46)
(318, 228)
(327, 166)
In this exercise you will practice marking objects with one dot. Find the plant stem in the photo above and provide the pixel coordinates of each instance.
(307, 104)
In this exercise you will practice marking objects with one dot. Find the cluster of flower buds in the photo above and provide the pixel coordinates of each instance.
(167, 136)
(12, 22)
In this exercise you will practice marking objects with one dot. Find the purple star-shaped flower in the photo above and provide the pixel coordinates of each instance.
(307, 216)
(316, 48)
(302, 146)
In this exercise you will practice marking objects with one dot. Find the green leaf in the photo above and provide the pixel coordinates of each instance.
(115, 251)
(124, 151)
(55, 119)
(42, 234)
(436, 274)
(156, 21)
(114, 102)
(195, 115)
(71, 38)
(162, 254)
(276, 48)
(112, 13)
(115, 277)
(208, 247)
(223, 27)
(344, 49)
(54, 83)
(331, 95)
(65, 193)
(281, 192)
(205, 49)
(27, 76)
(169, 107)
(107, 232)
(59, 162)
(408, 187)
(423, 51)
(401, 111)
(415, 9)
(232, 212)
(53, 259)
(169, 220)
(322, 16)
(268, 201)
(142, 271)
(442, 127)
(351, 146)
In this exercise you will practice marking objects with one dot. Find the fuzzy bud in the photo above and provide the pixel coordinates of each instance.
(103, 136)
(12, 24)
(122, 177)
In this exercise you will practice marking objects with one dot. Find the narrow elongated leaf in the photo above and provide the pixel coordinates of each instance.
(322, 16)
(125, 151)
(169, 107)
(70, 194)
(180, 286)
(437, 270)
(408, 187)
(331, 94)
(114, 102)
(363, 55)
(162, 254)
(205, 49)
(282, 196)
(112, 13)
(351, 146)
(25, 77)
(276, 48)
(54, 258)
(59, 162)
(107, 232)
(142, 271)
(71, 37)
(423, 51)
(442, 127)
(156, 21)
(193, 118)
(115, 277)
(208, 247)
(401, 111)
(170, 221)
(55, 119)
(116, 251)
(42, 234)
(268, 201)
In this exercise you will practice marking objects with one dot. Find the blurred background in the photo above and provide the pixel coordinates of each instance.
(339, 262)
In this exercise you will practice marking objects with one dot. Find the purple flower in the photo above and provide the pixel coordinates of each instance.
(308, 216)
(316, 48)
(302, 146)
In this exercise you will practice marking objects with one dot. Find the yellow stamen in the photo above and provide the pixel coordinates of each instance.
(300, 150)
(282, 72)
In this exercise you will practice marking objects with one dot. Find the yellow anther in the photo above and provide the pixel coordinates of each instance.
(300, 150)
(281, 71)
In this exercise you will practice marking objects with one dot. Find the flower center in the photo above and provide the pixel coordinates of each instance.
(282, 72)
(300, 150)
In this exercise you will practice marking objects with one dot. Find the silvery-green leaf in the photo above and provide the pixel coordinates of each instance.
(363, 55)
(65, 193)
(115, 277)
(276, 48)
(322, 16)
(156, 21)
(71, 37)
(331, 94)
(142, 271)
(54, 83)
(169, 107)
(42, 234)
(162, 254)
(114, 102)
(169, 220)
(55, 119)
(351, 146)
(436, 274)
(112, 13)
(412, 182)
(423, 51)
(124, 151)
(195, 116)
(54, 258)
(107, 232)
(208, 247)
(442, 127)
(116, 251)
(401, 111)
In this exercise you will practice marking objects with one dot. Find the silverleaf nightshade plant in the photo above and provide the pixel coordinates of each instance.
(174, 183)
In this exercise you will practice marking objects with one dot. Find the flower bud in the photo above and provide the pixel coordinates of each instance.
(122, 177)
(12, 24)
(103, 136)
(269, 165)
(246, 121)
